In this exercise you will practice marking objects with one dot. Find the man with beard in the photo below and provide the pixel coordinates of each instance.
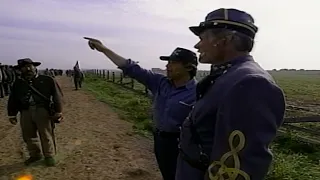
(31, 96)
(173, 96)
(239, 107)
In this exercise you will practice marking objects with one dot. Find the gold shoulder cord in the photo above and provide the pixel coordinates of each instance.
(232, 172)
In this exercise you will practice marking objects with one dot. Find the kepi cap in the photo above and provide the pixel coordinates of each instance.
(232, 19)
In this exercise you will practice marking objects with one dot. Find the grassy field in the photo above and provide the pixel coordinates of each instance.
(293, 160)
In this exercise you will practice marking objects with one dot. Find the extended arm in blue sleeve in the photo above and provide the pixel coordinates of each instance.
(146, 77)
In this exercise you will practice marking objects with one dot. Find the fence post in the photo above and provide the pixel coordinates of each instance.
(108, 75)
(146, 90)
(121, 78)
(113, 77)
(132, 83)
(103, 74)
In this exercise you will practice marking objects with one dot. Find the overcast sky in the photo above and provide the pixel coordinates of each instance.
(51, 31)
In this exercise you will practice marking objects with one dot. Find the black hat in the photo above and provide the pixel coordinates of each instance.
(25, 61)
(182, 55)
(232, 19)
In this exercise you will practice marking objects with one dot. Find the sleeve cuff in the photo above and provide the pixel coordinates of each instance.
(127, 66)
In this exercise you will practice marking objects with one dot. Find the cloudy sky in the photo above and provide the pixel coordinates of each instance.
(51, 31)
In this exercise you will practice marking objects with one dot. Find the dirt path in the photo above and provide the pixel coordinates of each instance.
(93, 144)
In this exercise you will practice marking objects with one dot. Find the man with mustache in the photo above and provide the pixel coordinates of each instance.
(173, 96)
(239, 106)
(31, 96)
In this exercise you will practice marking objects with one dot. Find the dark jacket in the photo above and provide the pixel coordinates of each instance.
(19, 98)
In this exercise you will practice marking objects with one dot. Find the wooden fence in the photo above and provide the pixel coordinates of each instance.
(295, 125)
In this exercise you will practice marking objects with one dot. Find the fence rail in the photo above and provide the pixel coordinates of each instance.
(291, 124)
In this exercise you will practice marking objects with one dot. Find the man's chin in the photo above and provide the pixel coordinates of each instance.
(204, 60)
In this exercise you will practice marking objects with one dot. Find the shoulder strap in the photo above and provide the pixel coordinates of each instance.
(38, 93)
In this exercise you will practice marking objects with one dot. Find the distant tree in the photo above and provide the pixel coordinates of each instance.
(283, 69)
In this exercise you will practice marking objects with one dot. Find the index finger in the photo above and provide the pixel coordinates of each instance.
(90, 39)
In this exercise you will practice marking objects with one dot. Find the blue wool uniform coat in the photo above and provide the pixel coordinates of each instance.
(237, 114)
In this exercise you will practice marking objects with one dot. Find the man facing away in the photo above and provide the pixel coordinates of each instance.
(173, 96)
(31, 96)
(78, 77)
(239, 107)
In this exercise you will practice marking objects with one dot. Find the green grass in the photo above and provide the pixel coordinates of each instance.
(293, 160)
(128, 105)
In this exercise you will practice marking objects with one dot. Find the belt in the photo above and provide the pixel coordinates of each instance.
(167, 134)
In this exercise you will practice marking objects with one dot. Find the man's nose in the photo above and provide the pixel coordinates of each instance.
(196, 46)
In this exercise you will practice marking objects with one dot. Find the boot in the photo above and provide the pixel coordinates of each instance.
(32, 160)
(50, 161)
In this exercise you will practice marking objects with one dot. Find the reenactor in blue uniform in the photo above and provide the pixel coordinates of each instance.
(173, 97)
(239, 106)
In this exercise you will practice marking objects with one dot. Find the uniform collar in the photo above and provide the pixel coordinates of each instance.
(223, 68)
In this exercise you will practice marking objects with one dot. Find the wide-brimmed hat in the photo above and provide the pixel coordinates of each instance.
(25, 61)
(232, 19)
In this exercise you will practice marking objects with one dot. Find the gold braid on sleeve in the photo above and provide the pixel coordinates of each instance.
(229, 173)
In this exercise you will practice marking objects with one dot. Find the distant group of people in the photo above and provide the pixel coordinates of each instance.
(220, 127)
(53, 72)
(8, 75)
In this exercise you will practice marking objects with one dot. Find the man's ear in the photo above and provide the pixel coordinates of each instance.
(188, 66)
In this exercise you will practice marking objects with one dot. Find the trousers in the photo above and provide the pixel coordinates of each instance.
(166, 152)
(36, 121)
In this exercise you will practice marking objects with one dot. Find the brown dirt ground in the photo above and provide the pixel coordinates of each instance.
(93, 144)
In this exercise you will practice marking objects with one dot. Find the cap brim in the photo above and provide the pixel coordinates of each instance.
(164, 58)
(36, 63)
(196, 30)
